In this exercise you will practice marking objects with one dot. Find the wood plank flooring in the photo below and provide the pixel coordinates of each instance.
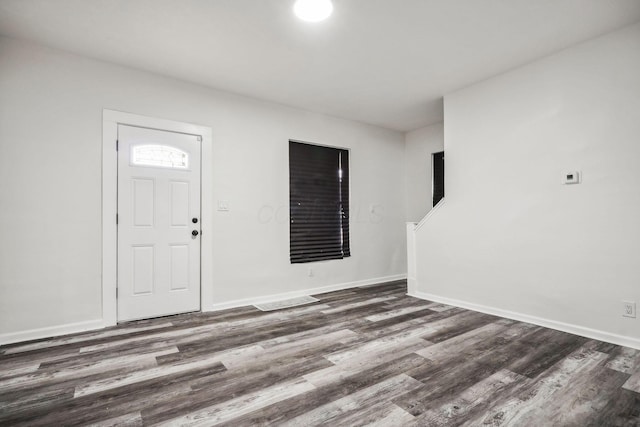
(364, 356)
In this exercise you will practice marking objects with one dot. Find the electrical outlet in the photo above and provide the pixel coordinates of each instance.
(223, 205)
(629, 309)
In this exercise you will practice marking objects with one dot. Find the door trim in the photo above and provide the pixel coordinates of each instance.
(110, 121)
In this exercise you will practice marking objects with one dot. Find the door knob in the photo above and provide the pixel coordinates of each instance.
(194, 233)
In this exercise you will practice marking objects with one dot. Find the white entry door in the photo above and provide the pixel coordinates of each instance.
(158, 223)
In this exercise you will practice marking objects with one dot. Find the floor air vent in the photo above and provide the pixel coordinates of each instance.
(293, 302)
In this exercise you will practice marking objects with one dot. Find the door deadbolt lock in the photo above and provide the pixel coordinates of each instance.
(194, 220)
(194, 233)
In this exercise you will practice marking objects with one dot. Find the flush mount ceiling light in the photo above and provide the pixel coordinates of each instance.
(313, 10)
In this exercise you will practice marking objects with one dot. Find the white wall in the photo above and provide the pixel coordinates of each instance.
(510, 236)
(420, 144)
(50, 165)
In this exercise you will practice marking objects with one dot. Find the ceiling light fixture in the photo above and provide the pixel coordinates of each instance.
(313, 10)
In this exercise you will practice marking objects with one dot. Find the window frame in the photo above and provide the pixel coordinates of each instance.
(343, 212)
(435, 188)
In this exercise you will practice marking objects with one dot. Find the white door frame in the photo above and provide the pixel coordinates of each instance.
(110, 121)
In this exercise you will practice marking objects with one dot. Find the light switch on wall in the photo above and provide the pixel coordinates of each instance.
(223, 205)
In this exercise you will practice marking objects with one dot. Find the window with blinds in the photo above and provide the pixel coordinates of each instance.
(318, 203)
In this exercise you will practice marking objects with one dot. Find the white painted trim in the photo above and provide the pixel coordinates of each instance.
(547, 323)
(372, 282)
(429, 214)
(51, 331)
(109, 210)
(412, 267)
(110, 121)
(304, 292)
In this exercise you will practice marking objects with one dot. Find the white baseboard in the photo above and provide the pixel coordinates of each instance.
(50, 331)
(547, 323)
(412, 284)
(303, 292)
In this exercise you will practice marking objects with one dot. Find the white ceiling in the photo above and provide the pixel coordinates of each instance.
(384, 62)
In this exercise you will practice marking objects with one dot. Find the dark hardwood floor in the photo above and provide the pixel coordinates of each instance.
(357, 357)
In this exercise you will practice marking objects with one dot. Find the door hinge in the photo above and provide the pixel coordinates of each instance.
(116, 218)
(116, 292)
(117, 145)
